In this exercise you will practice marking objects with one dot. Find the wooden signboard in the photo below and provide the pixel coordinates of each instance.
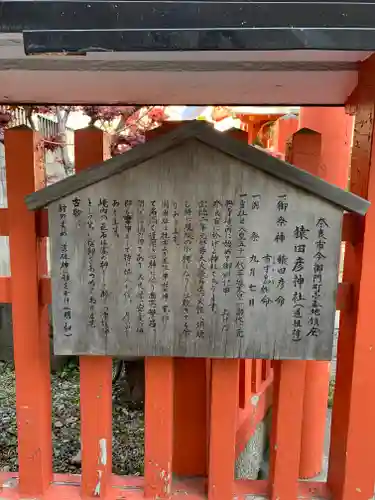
(195, 251)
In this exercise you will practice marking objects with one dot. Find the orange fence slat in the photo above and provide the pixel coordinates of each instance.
(159, 427)
(242, 396)
(190, 417)
(256, 375)
(287, 414)
(223, 426)
(351, 471)
(4, 222)
(96, 424)
(24, 174)
(91, 148)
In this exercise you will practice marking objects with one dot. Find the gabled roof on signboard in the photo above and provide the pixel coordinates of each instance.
(208, 135)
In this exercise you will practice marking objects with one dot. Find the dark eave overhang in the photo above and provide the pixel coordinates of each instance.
(82, 26)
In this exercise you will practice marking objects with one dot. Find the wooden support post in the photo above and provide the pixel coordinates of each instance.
(256, 375)
(158, 427)
(287, 414)
(190, 396)
(24, 174)
(243, 383)
(190, 417)
(336, 128)
(91, 148)
(351, 471)
(304, 151)
(223, 426)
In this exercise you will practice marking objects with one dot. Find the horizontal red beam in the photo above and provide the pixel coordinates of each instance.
(352, 227)
(343, 301)
(66, 485)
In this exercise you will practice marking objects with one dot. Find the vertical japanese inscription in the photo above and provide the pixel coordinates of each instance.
(104, 250)
(164, 241)
(91, 250)
(282, 206)
(77, 210)
(300, 234)
(227, 264)
(202, 268)
(186, 264)
(64, 270)
(152, 280)
(241, 265)
(115, 221)
(253, 259)
(140, 259)
(127, 255)
(175, 216)
(317, 281)
(214, 259)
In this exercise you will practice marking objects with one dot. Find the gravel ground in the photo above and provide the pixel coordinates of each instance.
(128, 424)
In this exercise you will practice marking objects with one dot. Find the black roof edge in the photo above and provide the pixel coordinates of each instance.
(208, 135)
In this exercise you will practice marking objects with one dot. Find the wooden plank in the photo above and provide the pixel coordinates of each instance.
(4, 222)
(191, 388)
(159, 427)
(250, 156)
(289, 381)
(41, 223)
(352, 228)
(350, 473)
(190, 416)
(343, 300)
(30, 323)
(242, 397)
(256, 375)
(245, 488)
(96, 425)
(223, 427)
(5, 290)
(344, 297)
(92, 146)
(264, 252)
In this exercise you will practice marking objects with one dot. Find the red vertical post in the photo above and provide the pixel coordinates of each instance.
(158, 427)
(305, 148)
(335, 128)
(91, 147)
(351, 472)
(223, 427)
(190, 401)
(287, 414)
(25, 173)
(256, 374)
(283, 130)
(190, 417)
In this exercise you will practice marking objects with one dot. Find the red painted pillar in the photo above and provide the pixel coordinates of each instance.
(336, 128)
(91, 148)
(25, 174)
(283, 130)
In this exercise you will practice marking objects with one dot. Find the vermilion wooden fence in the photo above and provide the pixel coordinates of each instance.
(198, 413)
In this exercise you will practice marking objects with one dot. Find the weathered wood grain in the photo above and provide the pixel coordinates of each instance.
(206, 134)
(195, 178)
